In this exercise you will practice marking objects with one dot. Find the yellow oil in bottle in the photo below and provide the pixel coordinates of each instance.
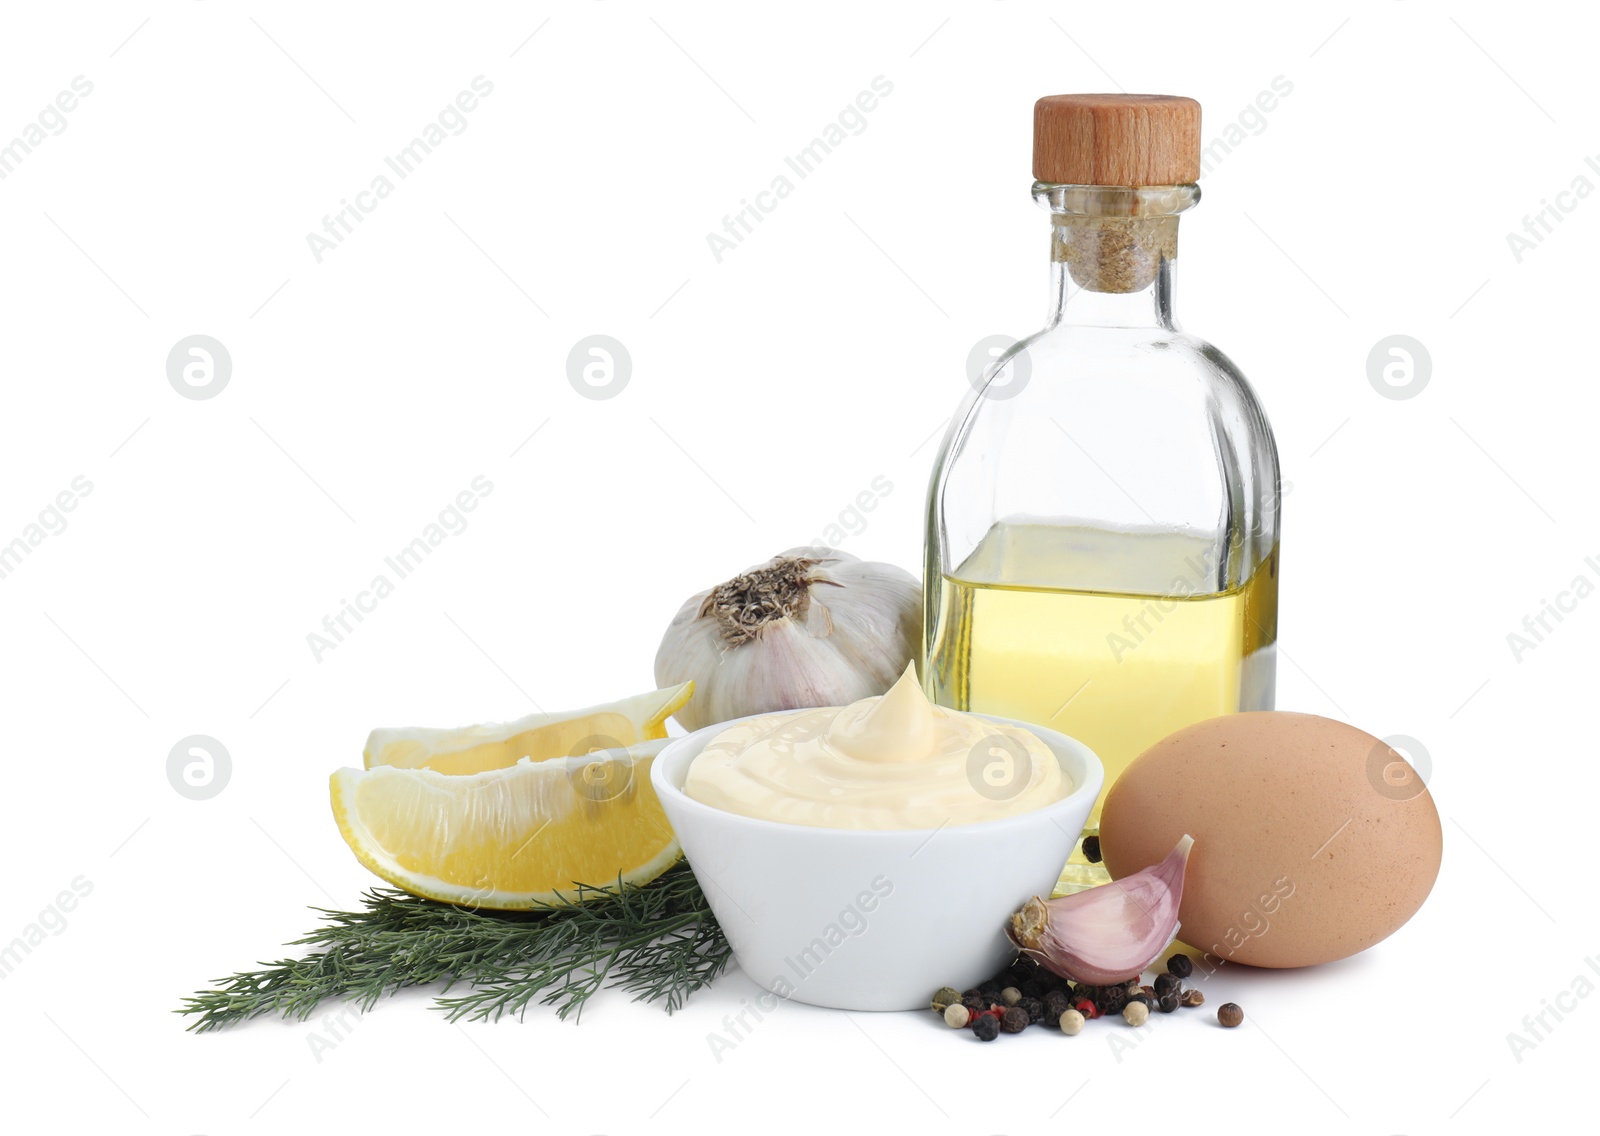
(1144, 646)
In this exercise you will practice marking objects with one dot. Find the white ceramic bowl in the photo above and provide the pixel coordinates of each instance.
(873, 920)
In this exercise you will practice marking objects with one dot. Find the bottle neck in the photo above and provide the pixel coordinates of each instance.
(1150, 306)
(1112, 252)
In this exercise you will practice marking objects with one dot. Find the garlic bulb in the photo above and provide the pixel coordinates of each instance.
(811, 627)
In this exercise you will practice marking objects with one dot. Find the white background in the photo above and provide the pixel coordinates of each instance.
(767, 391)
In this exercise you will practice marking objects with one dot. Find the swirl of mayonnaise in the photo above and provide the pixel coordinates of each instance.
(895, 761)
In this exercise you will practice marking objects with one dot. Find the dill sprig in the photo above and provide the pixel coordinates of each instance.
(658, 941)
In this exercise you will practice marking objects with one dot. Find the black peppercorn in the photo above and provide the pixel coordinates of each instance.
(1167, 984)
(1229, 1014)
(1091, 849)
(1180, 965)
(1167, 1002)
(1015, 1020)
(1112, 999)
(1035, 1010)
(1055, 1004)
(1144, 999)
(973, 1005)
(975, 992)
(986, 1028)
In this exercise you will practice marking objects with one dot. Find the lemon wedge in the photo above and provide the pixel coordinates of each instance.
(474, 749)
(515, 815)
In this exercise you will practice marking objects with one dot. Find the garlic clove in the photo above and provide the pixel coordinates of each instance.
(1106, 934)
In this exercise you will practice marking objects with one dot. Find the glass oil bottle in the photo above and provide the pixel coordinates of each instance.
(1102, 544)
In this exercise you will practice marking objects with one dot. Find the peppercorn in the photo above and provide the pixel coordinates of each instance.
(1071, 1022)
(944, 997)
(989, 992)
(956, 1016)
(1150, 990)
(975, 1005)
(986, 1028)
(1011, 995)
(1035, 1009)
(1142, 999)
(1136, 1013)
(1113, 999)
(1031, 989)
(1180, 965)
(1229, 1014)
(1167, 984)
(975, 992)
(1091, 849)
(1086, 1008)
(1015, 1020)
(1192, 997)
(1168, 1002)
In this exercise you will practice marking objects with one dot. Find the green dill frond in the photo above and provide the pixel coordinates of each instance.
(657, 941)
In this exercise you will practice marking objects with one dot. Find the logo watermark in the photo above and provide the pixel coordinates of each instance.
(199, 367)
(1399, 367)
(1249, 122)
(451, 121)
(49, 122)
(851, 922)
(331, 1029)
(998, 767)
(1399, 767)
(994, 372)
(1543, 222)
(599, 367)
(450, 521)
(851, 520)
(850, 121)
(1539, 624)
(1537, 1027)
(48, 923)
(51, 521)
(199, 767)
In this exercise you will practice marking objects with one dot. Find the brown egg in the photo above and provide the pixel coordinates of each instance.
(1312, 839)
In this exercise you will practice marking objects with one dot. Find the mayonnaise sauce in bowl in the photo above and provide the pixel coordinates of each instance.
(891, 762)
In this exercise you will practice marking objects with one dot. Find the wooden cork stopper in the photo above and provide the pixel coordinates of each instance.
(1135, 140)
